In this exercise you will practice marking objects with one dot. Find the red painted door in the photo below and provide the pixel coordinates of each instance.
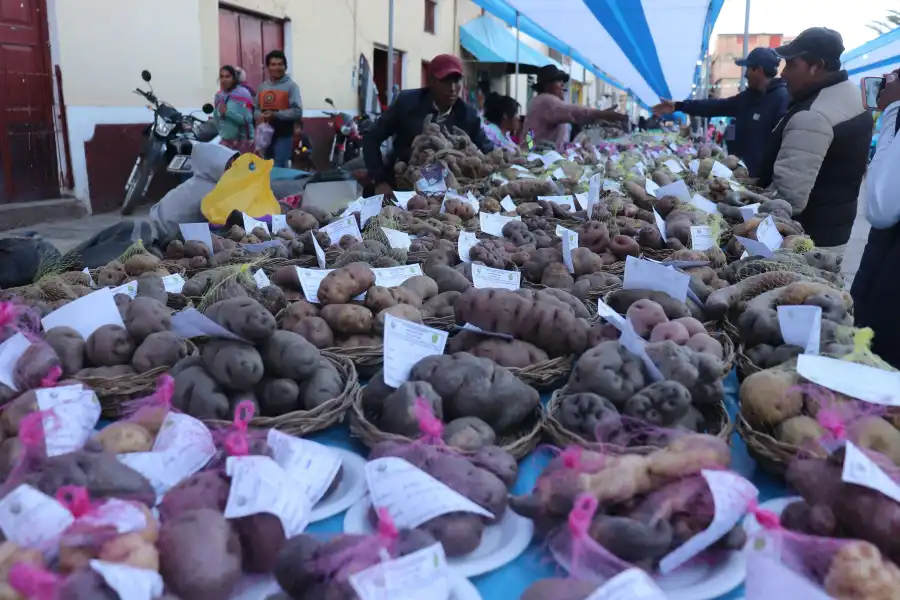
(245, 39)
(28, 160)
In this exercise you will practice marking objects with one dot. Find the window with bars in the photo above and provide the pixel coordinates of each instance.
(430, 10)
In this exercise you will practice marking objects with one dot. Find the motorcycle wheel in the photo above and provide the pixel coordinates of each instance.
(135, 193)
(338, 158)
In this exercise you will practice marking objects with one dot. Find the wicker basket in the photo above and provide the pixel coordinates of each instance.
(547, 374)
(366, 359)
(745, 366)
(113, 391)
(442, 323)
(660, 255)
(717, 422)
(770, 454)
(270, 265)
(304, 422)
(518, 444)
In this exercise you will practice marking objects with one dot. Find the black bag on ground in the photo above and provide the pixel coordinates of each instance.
(109, 244)
(21, 258)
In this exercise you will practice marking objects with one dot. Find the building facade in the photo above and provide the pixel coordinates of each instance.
(724, 75)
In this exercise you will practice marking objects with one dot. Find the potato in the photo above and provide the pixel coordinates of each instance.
(448, 279)
(398, 410)
(468, 434)
(132, 550)
(767, 397)
(400, 311)
(108, 346)
(324, 384)
(703, 342)
(348, 318)
(151, 285)
(379, 298)
(622, 246)
(301, 221)
(244, 317)
(202, 490)
(608, 370)
(874, 433)
(141, 263)
(670, 330)
(441, 305)
(662, 404)
(69, 347)
(458, 533)
(559, 589)
(316, 331)
(161, 349)
(35, 365)
(801, 431)
(235, 365)
(122, 437)
(200, 555)
(289, 355)
(422, 286)
(581, 413)
(199, 395)
(278, 396)
(345, 283)
(645, 315)
(145, 316)
(297, 311)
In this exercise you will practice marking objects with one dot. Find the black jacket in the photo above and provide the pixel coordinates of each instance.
(756, 114)
(404, 120)
(817, 158)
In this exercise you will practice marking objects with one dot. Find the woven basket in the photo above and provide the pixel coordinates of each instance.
(113, 391)
(417, 257)
(270, 265)
(745, 366)
(366, 359)
(547, 374)
(730, 328)
(771, 455)
(663, 254)
(442, 323)
(304, 422)
(717, 421)
(518, 444)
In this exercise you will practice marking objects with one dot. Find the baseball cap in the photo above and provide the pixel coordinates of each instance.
(820, 42)
(760, 57)
(444, 65)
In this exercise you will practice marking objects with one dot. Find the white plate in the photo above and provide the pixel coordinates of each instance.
(260, 587)
(775, 505)
(351, 488)
(500, 544)
(698, 581)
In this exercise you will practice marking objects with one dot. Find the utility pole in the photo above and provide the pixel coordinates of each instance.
(746, 43)
(389, 92)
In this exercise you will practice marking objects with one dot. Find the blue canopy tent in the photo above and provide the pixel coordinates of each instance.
(650, 47)
(490, 42)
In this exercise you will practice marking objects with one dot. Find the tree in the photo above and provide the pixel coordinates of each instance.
(891, 21)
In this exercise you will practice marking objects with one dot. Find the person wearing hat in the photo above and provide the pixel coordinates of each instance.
(756, 110)
(405, 117)
(817, 157)
(548, 114)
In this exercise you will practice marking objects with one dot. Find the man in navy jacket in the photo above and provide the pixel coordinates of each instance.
(756, 110)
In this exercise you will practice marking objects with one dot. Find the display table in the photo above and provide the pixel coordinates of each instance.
(509, 582)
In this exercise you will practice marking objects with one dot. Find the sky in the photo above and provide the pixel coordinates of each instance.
(790, 17)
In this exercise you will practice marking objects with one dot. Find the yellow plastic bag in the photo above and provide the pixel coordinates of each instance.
(244, 187)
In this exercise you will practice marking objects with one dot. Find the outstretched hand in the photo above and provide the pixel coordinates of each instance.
(665, 107)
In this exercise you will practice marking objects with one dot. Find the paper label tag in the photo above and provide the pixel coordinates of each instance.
(732, 495)
(551, 157)
(559, 174)
(487, 277)
(198, 232)
(651, 187)
(366, 207)
(343, 226)
(279, 222)
(320, 254)
(749, 211)
(605, 311)
(596, 184)
(674, 166)
(128, 289)
(262, 246)
(259, 485)
(130, 583)
(734, 185)
(611, 186)
(173, 283)
(720, 170)
(261, 279)
(645, 275)
(801, 326)
(754, 247)
(467, 240)
(673, 147)
(394, 276)
(412, 496)
(432, 180)
(311, 279)
(569, 243)
(498, 178)
(767, 233)
(75, 413)
(768, 577)
(10, 352)
(86, 314)
(862, 382)
(493, 223)
(702, 237)
(660, 223)
(703, 204)
(250, 224)
(638, 346)
(405, 344)
(633, 584)
(126, 517)
(582, 200)
(744, 254)
(522, 169)
(31, 518)
(191, 323)
(565, 202)
(402, 198)
(420, 575)
(508, 205)
(694, 165)
(859, 469)
(397, 239)
(87, 272)
(679, 189)
(312, 466)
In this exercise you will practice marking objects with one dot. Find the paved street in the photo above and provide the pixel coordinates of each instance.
(857, 242)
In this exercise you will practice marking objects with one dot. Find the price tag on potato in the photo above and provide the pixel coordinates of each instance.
(749, 211)
(125, 517)
(130, 583)
(10, 352)
(320, 254)
(660, 224)
(508, 205)
(128, 289)
(679, 189)
(694, 166)
(801, 326)
(674, 166)
(596, 184)
(402, 198)
(582, 200)
(261, 279)
(732, 495)
(702, 237)
(769, 577)
(260, 485)
(605, 311)
(191, 323)
(250, 224)
(343, 226)
(767, 233)
(412, 496)
(87, 272)
(86, 314)
(638, 346)
(720, 170)
(394, 276)
(312, 466)
(173, 283)
(703, 204)
(279, 222)
(734, 185)
(32, 519)
(420, 575)
(551, 157)
(198, 232)
(754, 247)
(366, 207)
(432, 180)
(862, 382)
(651, 187)
(311, 279)
(633, 584)
(473, 202)
(397, 239)
(646, 275)
(464, 244)
(405, 344)
(73, 412)
(569, 243)
(861, 470)
(487, 277)
(558, 174)
(611, 186)
(493, 223)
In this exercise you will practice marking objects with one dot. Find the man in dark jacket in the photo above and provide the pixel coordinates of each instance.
(818, 153)
(404, 120)
(756, 110)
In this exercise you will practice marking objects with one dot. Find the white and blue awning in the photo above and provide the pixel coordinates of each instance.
(489, 41)
(650, 47)
(875, 58)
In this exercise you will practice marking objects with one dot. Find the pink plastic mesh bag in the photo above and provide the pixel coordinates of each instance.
(18, 317)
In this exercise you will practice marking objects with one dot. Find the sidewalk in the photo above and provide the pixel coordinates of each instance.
(66, 235)
(857, 242)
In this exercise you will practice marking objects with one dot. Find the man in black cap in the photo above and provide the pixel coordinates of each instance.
(819, 150)
(548, 114)
(756, 110)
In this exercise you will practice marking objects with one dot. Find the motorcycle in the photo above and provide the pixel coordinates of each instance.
(169, 136)
(347, 141)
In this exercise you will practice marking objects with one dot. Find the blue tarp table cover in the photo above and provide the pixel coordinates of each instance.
(490, 41)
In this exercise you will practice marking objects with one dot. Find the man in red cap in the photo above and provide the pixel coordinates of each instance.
(405, 118)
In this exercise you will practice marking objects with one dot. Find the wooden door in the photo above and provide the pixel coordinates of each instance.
(245, 39)
(28, 159)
